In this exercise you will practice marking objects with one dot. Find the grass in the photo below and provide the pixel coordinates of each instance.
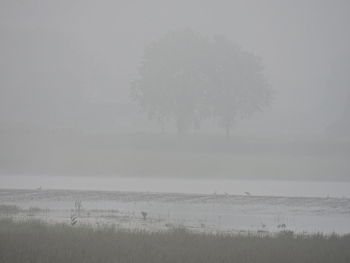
(33, 241)
(195, 156)
(9, 209)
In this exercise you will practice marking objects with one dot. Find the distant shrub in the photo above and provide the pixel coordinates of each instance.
(144, 215)
(34, 210)
(286, 234)
(9, 209)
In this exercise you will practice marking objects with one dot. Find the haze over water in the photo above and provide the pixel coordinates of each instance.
(176, 96)
(187, 186)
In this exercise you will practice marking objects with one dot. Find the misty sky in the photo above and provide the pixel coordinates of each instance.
(61, 61)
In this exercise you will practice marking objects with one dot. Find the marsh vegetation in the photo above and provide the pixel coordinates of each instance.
(33, 241)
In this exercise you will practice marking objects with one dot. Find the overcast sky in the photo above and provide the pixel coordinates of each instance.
(56, 54)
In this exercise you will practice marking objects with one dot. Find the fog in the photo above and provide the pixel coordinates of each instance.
(129, 129)
(67, 107)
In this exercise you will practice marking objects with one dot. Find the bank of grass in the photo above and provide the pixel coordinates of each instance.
(33, 241)
(9, 209)
(193, 156)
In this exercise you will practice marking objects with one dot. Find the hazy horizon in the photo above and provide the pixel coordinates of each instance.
(125, 124)
(70, 63)
(67, 70)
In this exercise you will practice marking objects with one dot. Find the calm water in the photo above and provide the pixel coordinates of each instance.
(234, 187)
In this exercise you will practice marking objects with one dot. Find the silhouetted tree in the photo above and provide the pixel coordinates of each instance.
(188, 77)
(171, 79)
(239, 87)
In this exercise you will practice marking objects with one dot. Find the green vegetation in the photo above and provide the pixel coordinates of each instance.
(33, 241)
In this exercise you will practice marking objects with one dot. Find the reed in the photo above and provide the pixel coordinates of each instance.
(34, 241)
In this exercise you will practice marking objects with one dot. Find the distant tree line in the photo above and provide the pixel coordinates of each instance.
(187, 78)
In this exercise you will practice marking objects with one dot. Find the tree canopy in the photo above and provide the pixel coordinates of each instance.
(188, 77)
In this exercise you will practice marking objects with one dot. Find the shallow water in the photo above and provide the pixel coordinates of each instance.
(165, 185)
(200, 212)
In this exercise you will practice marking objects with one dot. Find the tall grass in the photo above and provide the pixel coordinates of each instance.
(33, 241)
(9, 209)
